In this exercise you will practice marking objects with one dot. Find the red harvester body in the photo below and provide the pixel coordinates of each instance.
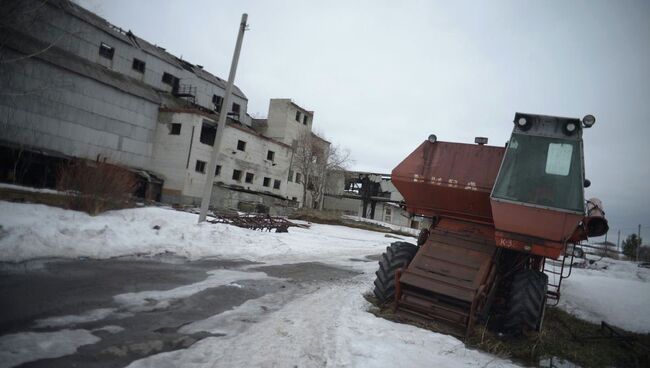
(498, 213)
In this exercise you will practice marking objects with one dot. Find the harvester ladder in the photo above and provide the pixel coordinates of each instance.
(559, 270)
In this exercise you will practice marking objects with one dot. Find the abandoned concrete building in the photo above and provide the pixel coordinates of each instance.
(77, 87)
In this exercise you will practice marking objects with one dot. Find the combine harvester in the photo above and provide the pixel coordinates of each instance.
(498, 214)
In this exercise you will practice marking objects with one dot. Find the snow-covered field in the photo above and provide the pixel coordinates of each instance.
(327, 326)
(38, 231)
(616, 292)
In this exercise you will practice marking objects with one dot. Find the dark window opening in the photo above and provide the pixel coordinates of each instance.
(217, 172)
(266, 182)
(298, 178)
(236, 109)
(305, 119)
(276, 184)
(241, 145)
(249, 177)
(208, 133)
(175, 129)
(294, 199)
(217, 101)
(270, 155)
(170, 79)
(200, 166)
(298, 116)
(138, 65)
(236, 175)
(106, 51)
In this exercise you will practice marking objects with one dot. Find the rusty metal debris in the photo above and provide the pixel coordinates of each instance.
(255, 222)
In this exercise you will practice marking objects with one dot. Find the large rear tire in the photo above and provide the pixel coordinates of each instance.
(397, 256)
(423, 236)
(527, 302)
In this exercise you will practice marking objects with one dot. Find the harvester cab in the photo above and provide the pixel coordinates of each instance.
(538, 199)
(497, 215)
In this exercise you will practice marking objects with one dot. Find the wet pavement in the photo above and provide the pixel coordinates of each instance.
(41, 289)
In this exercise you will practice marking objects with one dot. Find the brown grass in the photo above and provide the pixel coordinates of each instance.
(97, 186)
(563, 337)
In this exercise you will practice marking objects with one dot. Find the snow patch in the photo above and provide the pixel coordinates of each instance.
(159, 299)
(29, 189)
(89, 316)
(24, 347)
(110, 329)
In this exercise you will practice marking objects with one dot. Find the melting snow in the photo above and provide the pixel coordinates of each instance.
(29, 346)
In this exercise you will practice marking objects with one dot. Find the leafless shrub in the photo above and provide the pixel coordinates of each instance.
(96, 186)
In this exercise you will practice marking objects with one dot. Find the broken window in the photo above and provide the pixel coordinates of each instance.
(249, 177)
(106, 51)
(298, 116)
(175, 129)
(217, 101)
(200, 166)
(276, 184)
(138, 65)
(241, 145)
(236, 175)
(235, 109)
(270, 155)
(217, 172)
(290, 178)
(298, 178)
(170, 79)
(266, 182)
(305, 119)
(208, 133)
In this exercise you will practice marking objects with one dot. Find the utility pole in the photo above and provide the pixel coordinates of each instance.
(618, 241)
(221, 125)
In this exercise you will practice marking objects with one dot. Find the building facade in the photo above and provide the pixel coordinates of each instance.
(77, 87)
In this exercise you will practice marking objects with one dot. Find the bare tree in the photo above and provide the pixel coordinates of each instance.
(306, 149)
(315, 159)
(334, 158)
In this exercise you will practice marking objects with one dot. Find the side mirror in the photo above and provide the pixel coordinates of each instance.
(587, 183)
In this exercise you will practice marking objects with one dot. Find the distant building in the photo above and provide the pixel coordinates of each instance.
(372, 196)
(77, 87)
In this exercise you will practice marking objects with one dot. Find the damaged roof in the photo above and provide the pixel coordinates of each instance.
(130, 38)
(27, 45)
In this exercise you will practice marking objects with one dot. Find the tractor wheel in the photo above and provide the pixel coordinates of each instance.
(423, 236)
(527, 302)
(397, 256)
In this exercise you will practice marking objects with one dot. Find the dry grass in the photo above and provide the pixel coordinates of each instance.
(98, 186)
(563, 336)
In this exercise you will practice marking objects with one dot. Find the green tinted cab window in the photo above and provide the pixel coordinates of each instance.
(542, 171)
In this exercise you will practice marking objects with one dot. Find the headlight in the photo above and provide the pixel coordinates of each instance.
(570, 127)
(523, 122)
(588, 121)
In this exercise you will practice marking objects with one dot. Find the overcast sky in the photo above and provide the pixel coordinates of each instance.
(382, 75)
